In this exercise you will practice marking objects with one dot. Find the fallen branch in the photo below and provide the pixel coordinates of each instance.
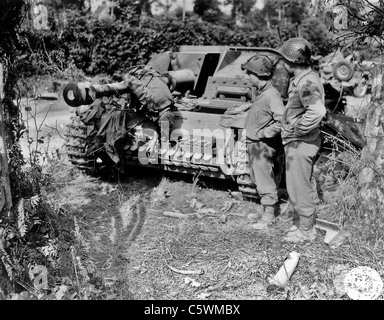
(185, 271)
(174, 214)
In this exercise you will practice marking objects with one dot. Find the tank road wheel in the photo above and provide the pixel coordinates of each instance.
(343, 71)
(77, 148)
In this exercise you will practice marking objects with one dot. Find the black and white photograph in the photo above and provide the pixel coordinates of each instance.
(193, 156)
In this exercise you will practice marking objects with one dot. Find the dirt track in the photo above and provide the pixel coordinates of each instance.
(47, 118)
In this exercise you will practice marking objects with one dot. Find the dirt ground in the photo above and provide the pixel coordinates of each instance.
(207, 252)
(47, 120)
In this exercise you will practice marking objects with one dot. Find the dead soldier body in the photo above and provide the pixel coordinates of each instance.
(150, 95)
(301, 136)
(263, 125)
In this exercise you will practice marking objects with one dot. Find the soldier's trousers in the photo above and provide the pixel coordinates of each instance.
(261, 161)
(300, 158)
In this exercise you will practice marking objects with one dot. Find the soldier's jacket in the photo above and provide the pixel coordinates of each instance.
(305, 108)
(151, 92)
(264, 117)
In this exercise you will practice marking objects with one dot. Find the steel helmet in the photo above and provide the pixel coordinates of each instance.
(296, 50)
(261, 65)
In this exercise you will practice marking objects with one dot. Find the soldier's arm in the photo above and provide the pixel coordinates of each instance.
(312, 100)
(274, 127)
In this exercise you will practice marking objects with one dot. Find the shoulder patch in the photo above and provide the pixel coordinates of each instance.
(309, 89)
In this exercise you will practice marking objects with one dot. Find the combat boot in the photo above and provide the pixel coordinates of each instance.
(304, 232)
(267, 219)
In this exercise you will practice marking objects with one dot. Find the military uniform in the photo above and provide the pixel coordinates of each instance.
(263, 125)
(301, 139)
(151, 93)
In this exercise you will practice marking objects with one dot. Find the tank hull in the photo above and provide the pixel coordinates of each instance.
(208, 135)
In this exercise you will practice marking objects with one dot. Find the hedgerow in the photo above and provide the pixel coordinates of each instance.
(111, 45)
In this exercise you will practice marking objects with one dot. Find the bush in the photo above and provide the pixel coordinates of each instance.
(315, 32)
(95, 46)
(112, 45)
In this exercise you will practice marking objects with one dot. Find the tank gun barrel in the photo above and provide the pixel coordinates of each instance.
(83, 93)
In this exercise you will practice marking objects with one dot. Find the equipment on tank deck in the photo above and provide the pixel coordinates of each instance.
(211, 100)
(343, 77)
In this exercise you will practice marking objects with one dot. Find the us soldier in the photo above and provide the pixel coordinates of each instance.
(301, 136)
(263, 125)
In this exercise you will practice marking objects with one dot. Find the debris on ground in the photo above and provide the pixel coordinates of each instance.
(146, 253)
(223, 218)
(192, 282)
(196, 204)
(339, 239)
(185, 271)
(174, 214)
(286, 270)
(236, 195)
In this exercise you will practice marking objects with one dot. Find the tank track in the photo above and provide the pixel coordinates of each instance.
(76, 146)
(77, 151)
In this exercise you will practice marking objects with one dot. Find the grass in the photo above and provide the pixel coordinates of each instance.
(235, 261)
(117, 244)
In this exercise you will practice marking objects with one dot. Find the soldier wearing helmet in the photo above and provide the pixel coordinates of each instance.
(301, 136)
(263, 125)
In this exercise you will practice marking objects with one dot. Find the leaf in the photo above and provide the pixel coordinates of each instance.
(192, 282)
(203, 295)
(35, 201)
(21, 218)
(61, 292)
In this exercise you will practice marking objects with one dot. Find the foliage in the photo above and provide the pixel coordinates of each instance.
(354, 24)
(347, 203)
(96, 46)
(240, 7)
(207, 8)
(10, 17)
(111, 45)
(313, 30)
(278, 11)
